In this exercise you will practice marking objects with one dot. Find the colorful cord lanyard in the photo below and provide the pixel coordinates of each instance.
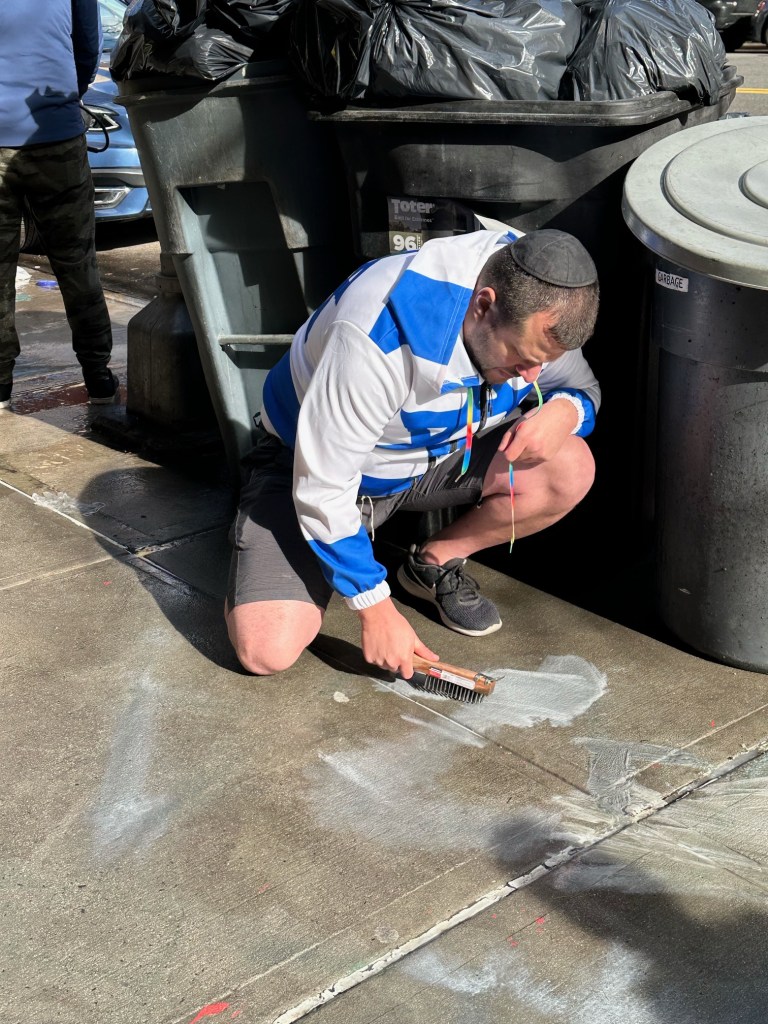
(468, 452)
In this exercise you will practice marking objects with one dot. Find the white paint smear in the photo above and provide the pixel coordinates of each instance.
(403, 794)
(58, 501)
(609, 990)
(382, 789)
(447, 731)
(341, 698)
(447, 971)
(611, 982)
(562, 688)
(613, 792)
(613, 765)
(712, 841)
(126, 816)
(660, 856)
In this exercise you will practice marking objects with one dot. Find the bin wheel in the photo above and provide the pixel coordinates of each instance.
(31, 240)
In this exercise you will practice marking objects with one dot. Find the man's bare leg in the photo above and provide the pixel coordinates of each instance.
(544, 493)
(268, 636)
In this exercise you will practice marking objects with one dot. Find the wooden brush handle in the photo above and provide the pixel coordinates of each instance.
(423, 664)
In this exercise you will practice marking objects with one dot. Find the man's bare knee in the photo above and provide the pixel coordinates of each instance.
(260, 661)
(269, 636)
(577, 475)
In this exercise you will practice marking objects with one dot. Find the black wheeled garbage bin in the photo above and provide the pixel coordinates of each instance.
(249, 201)
(699, 203)
(433, 169)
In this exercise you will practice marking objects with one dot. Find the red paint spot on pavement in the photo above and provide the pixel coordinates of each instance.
(540, 920)
(264, 887)
(712, 724)
(210, 1011)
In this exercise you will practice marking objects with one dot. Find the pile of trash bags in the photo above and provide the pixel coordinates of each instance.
(470, 50)
(396, 52)
(633, 48)
(198, 38)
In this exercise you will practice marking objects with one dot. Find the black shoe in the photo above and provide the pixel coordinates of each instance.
(5, 395)
(461, 605)
(101, 387)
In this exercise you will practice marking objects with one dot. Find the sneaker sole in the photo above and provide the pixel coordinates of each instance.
(5, 405)
(416, 590)
(103, 401)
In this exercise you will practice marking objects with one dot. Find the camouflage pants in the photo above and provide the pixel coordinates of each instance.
(55, 181)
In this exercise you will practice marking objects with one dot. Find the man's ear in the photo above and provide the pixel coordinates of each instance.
(543, 321)
(484, 300)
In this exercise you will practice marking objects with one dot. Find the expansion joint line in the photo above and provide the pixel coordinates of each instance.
(551, 864)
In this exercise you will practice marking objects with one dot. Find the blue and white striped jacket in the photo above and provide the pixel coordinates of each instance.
(374, 390)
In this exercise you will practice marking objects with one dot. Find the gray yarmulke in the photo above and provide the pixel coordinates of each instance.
(555, 257)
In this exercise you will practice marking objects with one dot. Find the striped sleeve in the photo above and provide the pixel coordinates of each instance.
(354, 392)
(571, 375)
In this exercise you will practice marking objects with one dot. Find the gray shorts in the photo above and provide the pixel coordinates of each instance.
(271, 560)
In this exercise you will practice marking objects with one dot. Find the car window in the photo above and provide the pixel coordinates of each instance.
(112, 14)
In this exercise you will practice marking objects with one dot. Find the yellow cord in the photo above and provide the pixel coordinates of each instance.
(540, 398)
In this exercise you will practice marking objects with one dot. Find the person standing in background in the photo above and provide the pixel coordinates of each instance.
(49, 54)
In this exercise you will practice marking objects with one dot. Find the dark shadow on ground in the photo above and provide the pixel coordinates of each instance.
(146, 507)
(652, 955)
(346, 657)
(120, 234)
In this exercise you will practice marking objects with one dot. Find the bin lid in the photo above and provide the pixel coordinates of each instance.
(699, 198)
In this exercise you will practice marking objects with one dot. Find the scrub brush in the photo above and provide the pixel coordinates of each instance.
(450, 681)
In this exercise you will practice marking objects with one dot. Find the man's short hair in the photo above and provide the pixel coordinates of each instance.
(519, 295)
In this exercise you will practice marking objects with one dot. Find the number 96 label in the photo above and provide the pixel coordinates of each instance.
(400, 242)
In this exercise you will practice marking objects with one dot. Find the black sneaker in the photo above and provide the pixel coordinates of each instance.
(101, 387)
(461, 605)
(5, 395)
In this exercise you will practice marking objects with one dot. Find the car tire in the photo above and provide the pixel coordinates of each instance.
(736, 35)
(31, 240)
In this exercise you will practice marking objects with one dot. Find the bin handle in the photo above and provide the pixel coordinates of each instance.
(259, 342)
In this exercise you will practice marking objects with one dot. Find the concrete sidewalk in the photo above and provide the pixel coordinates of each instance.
(184, 842)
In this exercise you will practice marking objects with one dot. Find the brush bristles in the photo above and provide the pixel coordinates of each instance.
(430, 684)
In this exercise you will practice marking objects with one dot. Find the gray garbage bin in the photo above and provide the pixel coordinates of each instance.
(699, 203)
(249, 202)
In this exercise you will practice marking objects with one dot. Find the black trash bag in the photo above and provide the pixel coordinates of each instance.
(262, 24)
(151, 25)
(474, 50)
(638, 47)
(208, 53)
(420, 50)
(207, 39)
(247, 20)
(330, 46)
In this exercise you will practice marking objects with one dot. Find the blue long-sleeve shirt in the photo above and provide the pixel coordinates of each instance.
(49, 53)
